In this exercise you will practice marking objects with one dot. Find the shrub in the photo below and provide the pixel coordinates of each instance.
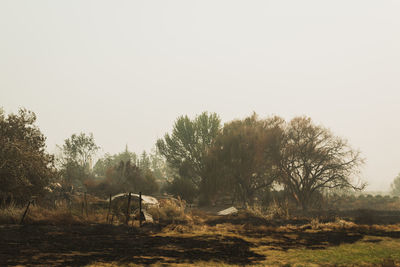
(182, 188)
(170, 211)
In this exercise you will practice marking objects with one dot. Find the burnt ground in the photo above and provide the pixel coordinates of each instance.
(78, 245)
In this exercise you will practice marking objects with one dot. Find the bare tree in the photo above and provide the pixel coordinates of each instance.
(313, 159)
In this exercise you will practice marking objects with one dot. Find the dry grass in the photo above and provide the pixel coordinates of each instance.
(312, 243)
(10, 214)
(171, 211)
(63, 215)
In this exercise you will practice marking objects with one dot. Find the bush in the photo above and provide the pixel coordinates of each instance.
(170, 211)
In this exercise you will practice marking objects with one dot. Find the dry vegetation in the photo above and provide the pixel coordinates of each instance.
(192, 237)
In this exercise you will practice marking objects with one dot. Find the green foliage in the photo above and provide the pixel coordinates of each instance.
(396, 186)
(80, 149)
(242, 159)
(25, 167)
(186, 148)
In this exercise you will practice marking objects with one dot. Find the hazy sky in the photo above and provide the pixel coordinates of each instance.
(125, 70)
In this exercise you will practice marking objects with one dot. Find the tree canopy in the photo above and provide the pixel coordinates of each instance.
(25, 166)
(242, 159)
(186, 148)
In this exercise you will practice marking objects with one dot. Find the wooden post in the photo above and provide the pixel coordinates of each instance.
(86, 209)
(128, 208)
(140, 209)
(26, 210)
(109, 209)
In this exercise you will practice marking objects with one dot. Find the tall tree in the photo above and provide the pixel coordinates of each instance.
(242, 160)
(186, 148)
(25, 166)
(313, 159)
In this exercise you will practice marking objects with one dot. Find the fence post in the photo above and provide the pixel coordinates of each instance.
(128, 208)
(109, 209)
(26, 210)
(140, 209)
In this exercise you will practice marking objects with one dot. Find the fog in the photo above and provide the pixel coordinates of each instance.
(125, 70)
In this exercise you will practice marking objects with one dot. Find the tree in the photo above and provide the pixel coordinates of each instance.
(312, 159)
(242, 160)
(144, 162)
(128, 177)
(159, 166)
(77, 156)
(108, 161)
(396, 186)
(80, 149)
(25, 166)
(186, 148)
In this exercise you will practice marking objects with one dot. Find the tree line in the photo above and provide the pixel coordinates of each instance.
(243, 160)
(201, 160)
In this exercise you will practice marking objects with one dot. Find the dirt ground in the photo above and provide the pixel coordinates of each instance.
(79, 245)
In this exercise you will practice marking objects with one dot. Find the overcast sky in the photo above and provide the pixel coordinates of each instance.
(125, 70)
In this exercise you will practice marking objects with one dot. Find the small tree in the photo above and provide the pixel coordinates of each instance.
(396, 186)
(313, 159)
(77, 156)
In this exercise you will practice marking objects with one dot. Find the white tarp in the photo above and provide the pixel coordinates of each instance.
(147, 217)
(146, 200)
(228, 211)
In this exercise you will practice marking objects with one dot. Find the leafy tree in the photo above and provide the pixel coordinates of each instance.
(313, 159)
(25, 166)
(186, 148)
(396, 186)
(77, 156)
(80, 149)
(242, 160)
